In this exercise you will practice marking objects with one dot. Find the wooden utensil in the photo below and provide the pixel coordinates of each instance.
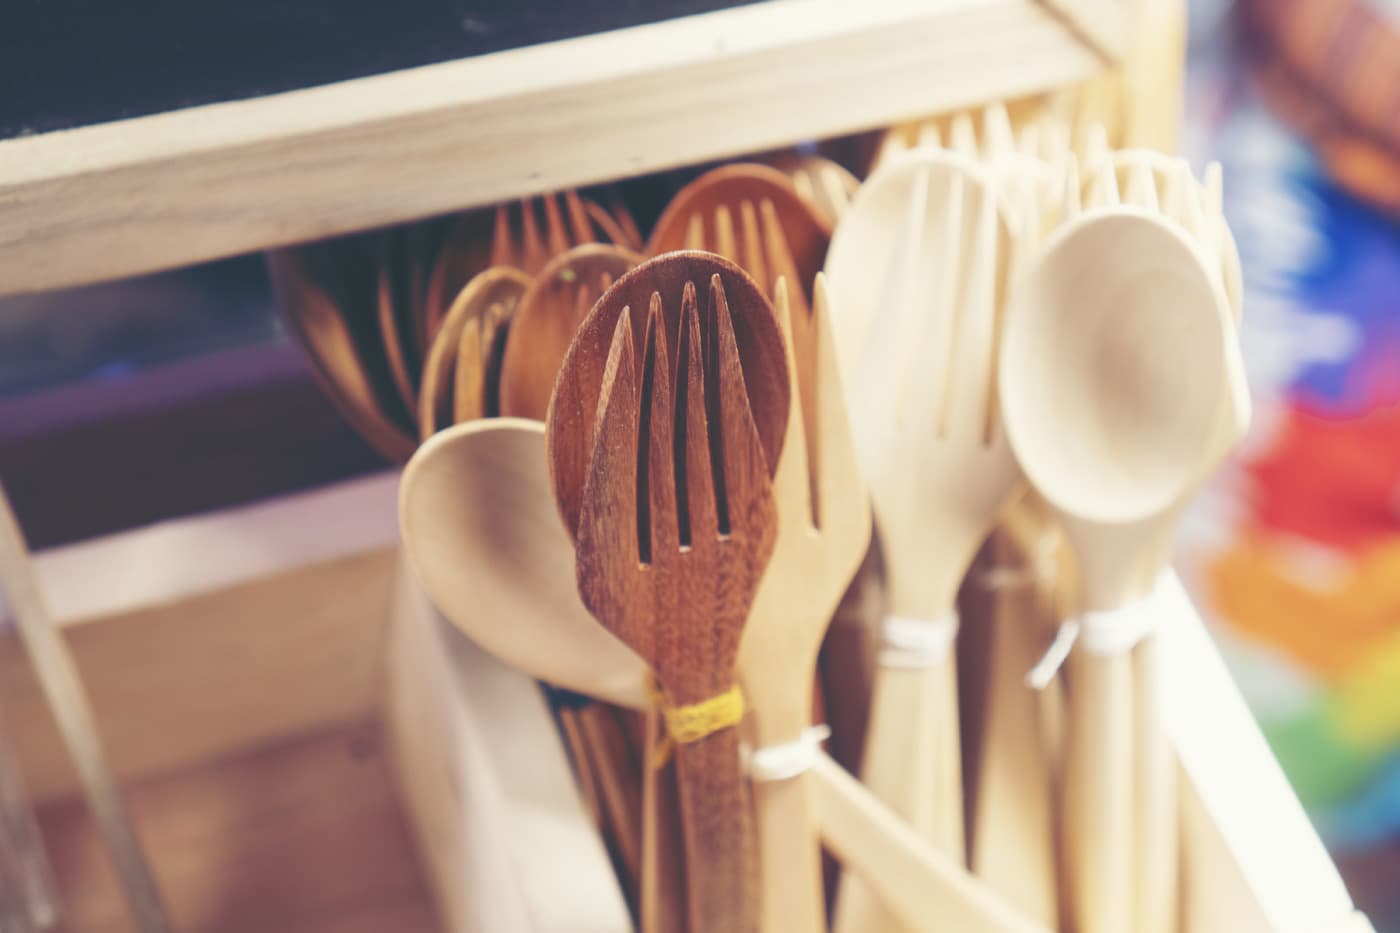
(495, 288)
(675, 524)
(826, 185)
(1122, 335)
(481, 535)
(484, 238)
(918, 367)
(549, 314)
(820, 543)
(72, 711)
(1166, 188)
(333, 321)
(752, 215)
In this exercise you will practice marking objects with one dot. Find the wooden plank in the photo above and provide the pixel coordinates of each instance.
(204, 636)
(503, 832)
(302, 837)
(1253, 861)
(171, 189)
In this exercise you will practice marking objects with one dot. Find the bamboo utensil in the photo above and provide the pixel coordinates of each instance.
(494, 293)
(549, 314)
(481, 535)
(1117, 358)
(333, 322)
(823, 533)
(63, 689)
(919, 383)
(753, 216)
(675, 524)
(822, 183)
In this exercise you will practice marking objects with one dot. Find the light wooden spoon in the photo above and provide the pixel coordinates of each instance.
(1114, 365)
(482, 536)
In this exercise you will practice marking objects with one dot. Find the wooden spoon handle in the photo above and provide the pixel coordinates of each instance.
(1098, 791)
(794, 898)
(721, 870)
(1154, 785)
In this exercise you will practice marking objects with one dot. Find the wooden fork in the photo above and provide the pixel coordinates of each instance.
(676, 523)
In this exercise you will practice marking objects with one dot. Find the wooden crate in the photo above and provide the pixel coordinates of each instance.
(304, 744)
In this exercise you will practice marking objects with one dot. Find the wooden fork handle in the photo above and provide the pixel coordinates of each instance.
(794, 899)
(717, 815)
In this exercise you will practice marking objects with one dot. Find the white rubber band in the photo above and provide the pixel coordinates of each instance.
(1111, 632)
(788, 760)
(917, 643)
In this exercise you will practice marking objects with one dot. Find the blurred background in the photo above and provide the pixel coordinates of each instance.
(1293, 551)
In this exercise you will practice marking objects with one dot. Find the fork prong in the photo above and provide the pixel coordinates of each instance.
(662, 474)
(1140, 188)
(1103, 185)
(695, 232)
(939, 349)
(794, 482)
(1176, 190)
(802, 181)
(1192, 215)
(882, 359)
(928, 136)
(1213, 207)
(743, 486)
(962, 135)
(699, 487)
(724, 234)
(977, 313)
(996, 129)
(578, 218)
(608, 513)
(1070, 204)
(502, 242)
(535, 254)
(555, 234)
(754, 263)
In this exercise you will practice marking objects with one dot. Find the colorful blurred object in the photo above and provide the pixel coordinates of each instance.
(1295, 548)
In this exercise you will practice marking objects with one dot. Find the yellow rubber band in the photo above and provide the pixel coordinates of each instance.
(687, 724)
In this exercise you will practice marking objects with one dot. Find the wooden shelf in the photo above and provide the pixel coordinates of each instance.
(171, 189)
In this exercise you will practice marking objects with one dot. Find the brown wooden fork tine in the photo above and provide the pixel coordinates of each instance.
(578, 218)
(696, 490)
(555, 233)
(657, 496)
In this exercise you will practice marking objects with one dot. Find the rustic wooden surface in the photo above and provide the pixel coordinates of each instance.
(303, 836)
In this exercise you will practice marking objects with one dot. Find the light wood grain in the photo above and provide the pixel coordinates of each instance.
(172, 189)
(823, 534)
(203, 636)
(505, 838)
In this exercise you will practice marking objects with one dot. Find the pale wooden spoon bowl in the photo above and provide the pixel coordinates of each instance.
(481, 534)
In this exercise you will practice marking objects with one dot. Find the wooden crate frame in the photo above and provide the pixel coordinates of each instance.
(172, 189)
